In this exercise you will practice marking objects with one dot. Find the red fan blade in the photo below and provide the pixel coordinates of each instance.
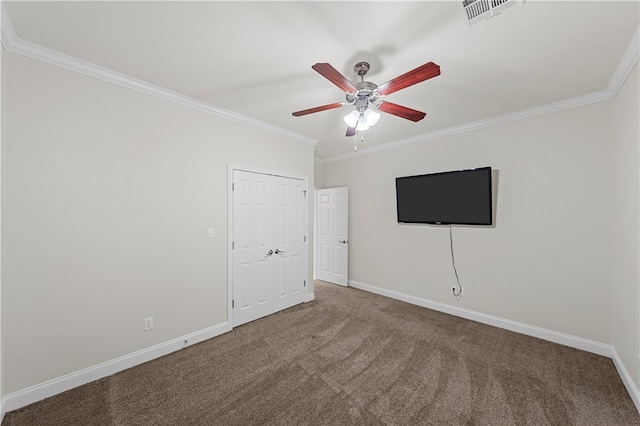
(332, 74)
(316, 109)
(422, 73)
(350, 131)
(400, 111)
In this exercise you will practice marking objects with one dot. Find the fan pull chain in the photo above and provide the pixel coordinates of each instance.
(355, 143)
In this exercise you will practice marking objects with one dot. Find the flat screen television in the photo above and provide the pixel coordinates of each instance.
(461, 197)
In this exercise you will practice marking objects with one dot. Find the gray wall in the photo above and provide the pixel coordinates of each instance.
(2, 53)
(547, 261)
(107, 195)
(626, 229)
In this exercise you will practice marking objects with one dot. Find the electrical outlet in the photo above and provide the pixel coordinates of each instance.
(148, 323)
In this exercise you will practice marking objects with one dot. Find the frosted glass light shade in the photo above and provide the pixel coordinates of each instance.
(351, 119)
(362, 124)
(371, 116)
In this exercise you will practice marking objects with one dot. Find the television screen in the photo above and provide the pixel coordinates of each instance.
(449, 198)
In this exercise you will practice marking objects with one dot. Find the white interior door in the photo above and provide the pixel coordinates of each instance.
(269, 244)
(332, 247)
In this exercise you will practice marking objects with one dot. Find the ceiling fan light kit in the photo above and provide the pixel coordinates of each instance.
(371, 116)
(351, 119)
(362, 124)
(361, 120)
(366, 97)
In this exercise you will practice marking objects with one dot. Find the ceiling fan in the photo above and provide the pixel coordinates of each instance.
(367, 97)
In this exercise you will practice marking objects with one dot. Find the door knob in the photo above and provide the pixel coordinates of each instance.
(269, 253)
(278, 251)
(343, 241)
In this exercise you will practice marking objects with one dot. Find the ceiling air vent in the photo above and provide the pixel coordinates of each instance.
(481, 10)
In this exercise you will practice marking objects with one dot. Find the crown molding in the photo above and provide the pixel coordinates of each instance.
(625, 65)
(14, 44)
(475, 125)
(622, 71)
(7, 33)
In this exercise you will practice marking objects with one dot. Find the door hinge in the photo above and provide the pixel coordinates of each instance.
(233, 186)
(233, 245)
(305, 283)
(305, 238)
(305, 193)
(233, 303)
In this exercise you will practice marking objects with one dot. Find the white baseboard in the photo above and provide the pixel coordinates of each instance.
(53, 387)
(626, 379)
(530, 330)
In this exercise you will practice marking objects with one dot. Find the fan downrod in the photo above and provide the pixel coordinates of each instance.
(361, 68)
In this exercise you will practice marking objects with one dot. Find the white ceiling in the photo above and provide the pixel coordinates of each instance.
(255, 58)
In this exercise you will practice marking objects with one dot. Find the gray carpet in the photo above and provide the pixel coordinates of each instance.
(353, 358)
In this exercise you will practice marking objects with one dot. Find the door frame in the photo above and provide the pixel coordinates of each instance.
(238, 167)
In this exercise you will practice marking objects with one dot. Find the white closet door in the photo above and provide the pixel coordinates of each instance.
(269, 244)
(290, 242)
(253, 293)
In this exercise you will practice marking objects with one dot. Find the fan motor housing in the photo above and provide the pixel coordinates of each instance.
(366, 90)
